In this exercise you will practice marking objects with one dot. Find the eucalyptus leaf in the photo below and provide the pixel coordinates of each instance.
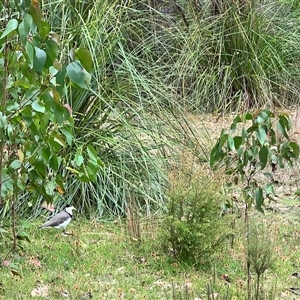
(78, 74)
(85, 58)
(39, 60)
(10, 27)
(24, 28)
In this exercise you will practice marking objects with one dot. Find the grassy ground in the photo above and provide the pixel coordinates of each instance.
(100, 261)
(104, 260)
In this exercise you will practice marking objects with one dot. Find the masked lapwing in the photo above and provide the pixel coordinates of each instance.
(61, 220)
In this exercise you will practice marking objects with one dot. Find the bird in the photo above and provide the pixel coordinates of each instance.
(61, 220)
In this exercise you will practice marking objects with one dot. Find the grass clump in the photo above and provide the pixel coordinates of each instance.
(193, 229)
(259, 256)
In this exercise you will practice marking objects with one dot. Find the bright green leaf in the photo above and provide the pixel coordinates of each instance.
(230, 142)
(38, 106)
(10, 27)
(78, 159)
(3, 121)
(261, 135)
(16, 164)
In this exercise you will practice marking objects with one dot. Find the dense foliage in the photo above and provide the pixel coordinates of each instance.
(145, 64)
(193, 229)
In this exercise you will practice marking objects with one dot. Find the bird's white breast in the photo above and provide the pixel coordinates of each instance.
(64, 224)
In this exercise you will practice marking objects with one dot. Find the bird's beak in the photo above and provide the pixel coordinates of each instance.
(73, 208)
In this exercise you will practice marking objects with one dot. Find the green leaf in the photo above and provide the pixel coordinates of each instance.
(78, 75)
(10, 27)
(53, 162)
(67, 132)
(36, 14)
(38, 106)
(3, 121)
(247, 117)
(50, 187)
(24, 28)
(39, 60)
(270, 189)
(263, 156)
(85, 58)
(55, 146)
(40, 167)
(12, 106)
(92, 153)
(259, 199)
(230, 142)
(92, 170)
(295, 148)
(58, 139)
(244, 134)
(263, 116)
(78, 159)
(16, 164)
(45, 154)
(60, 81)
(261, 135)
(52, 49)
(237, 141)
(83, 178)
(44, 29)
(216, 155)
(30, 52)
(59, 112)
(283, 126)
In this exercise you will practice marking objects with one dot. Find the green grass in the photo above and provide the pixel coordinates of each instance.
(102, 259)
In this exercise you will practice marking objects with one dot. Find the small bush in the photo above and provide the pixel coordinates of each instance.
(193, 229)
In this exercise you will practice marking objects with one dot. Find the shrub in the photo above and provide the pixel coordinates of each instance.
(193, 228)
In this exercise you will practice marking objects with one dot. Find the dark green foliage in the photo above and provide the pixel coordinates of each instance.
(35, 125)
(194, 229)
(256, 147)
